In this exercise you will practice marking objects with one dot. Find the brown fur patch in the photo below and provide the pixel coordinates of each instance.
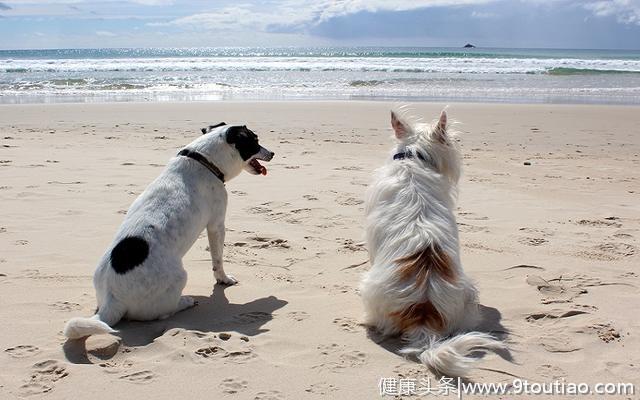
(416, 315)
(421, 265)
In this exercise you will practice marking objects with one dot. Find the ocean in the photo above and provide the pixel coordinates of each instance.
(335, 73)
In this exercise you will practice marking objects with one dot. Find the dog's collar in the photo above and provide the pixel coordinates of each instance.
(202, 160)
(409, 154)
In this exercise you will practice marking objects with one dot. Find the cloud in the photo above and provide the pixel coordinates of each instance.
(625, 11)
(481, 14)
(154, 2)
(298, 15)
(105, 34)
(4, 7)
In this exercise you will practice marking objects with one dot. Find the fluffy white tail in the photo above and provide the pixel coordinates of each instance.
(450, 357)
(109, 314)
(78, 328)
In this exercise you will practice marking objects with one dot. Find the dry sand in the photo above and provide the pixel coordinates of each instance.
(554, 248)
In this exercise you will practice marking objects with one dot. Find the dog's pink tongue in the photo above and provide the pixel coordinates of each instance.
(263, 170)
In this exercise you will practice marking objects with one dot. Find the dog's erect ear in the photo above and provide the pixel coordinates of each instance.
(441, 127)
(399, 127)
(212, 127)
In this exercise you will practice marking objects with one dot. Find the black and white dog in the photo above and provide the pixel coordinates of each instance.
(141, 276)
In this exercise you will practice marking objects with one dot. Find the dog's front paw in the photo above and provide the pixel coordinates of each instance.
(226, 280)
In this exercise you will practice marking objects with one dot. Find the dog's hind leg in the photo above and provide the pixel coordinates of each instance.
(216, 232)
(184, 303)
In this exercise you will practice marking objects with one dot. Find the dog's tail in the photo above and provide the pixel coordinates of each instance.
(109, 314)
(451, 357)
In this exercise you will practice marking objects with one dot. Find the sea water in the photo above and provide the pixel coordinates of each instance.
(334, 73)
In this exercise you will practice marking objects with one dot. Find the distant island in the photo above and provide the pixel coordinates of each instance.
(469, 46)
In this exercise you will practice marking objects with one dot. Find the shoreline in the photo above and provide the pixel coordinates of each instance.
(139, 99)
(372, 100)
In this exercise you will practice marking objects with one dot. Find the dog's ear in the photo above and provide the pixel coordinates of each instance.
(399, 127)
(441, 128)
(232, 134)
(212, 127)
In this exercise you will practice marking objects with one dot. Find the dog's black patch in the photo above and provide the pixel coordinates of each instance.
(244, 139)
(128, 254)
(207, 130)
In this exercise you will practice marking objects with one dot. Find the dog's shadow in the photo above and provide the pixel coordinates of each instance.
(490, 323)
(212, 314)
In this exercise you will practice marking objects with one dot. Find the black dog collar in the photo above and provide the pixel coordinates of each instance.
(408, 154)
(202, 160)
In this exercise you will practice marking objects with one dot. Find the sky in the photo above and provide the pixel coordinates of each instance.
(591, 24)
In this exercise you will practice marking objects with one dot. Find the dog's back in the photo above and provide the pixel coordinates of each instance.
(416, 286)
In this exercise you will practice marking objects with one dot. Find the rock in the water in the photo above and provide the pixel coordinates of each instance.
(469, 46)
(224, 336)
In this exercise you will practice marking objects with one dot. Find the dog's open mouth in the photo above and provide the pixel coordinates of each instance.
(259, 168)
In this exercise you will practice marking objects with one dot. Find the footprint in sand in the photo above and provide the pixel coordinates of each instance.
(211, 352)
(608, 252)
(140, 377)
(347, 324)
(551, 372)
(529, 241)
(321, 388)
(472, 216)
(35, 388)
(480, 246)
(462, 227)
(337, 358)
(269, 395)
(65, 306)
(43, 377)
(252, 317)
(298, 316)
(624, 234)
(350, 245)
(553, 315)
(240, 356)
(264, 242)
(340, 288)
(605, 332)
(607, 222)
(233, 385)
(22, 351)
(555, 291)
(112, 367)
(346, 200)
(559, 343)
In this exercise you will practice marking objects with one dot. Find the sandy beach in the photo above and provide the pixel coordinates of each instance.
(554, 248)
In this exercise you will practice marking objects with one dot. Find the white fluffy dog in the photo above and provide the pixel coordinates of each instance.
(141, 276)
(416, 287)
